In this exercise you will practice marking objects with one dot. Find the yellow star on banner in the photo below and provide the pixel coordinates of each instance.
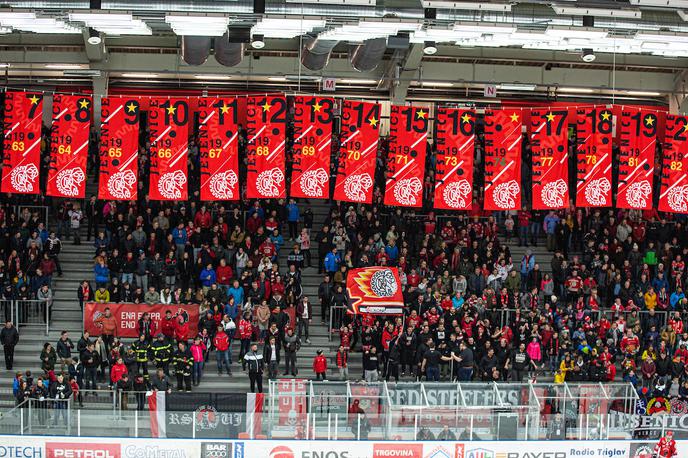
(34, 99)
(514, 117)
(131, 108)
(83, 103)
(267, 106)
(171, 109)
(650, 120)
(550, 117)
(317, 107)
(420, 114)
(372, 122)
(466, 118)
(606, 115)
(685, 126)
(224, 108)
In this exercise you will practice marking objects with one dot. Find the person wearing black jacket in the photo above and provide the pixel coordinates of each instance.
(123, 387)
(487, 364)
(9, 336)
(53, 246)
(325, 295)
(41, 394)
(61, 392)
(255, 364)
(64, 349)
(407, 346)
(394, 357)
(140, 387)
(183, 363)
(161, 350)
(91, 361)
(271, 357)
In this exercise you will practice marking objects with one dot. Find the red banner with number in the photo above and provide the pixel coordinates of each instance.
(359, 139)
(266, 121)
(168, 121)
(674, 192)
(549, 146)
(119, 148)
(594, 157)
(503, 159)
(310, 176)
(21, 163)
(408, 133)
(218, 137)
(455, 140)
(69, 145)
(637, 140)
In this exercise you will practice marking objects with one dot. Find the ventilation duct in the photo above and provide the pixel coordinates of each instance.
(228, 53)
(365, 57)
(195, 50)
(316, 53)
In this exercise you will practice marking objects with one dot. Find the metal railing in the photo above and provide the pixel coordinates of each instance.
(28, 312)
(337, 314)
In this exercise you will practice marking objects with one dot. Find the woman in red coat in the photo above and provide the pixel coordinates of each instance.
(320, 366)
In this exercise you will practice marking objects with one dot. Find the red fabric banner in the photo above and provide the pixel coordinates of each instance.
(549, 146)
(408, 133)
(310, 176)
(674, 192)
(266, 123)
(375, 290)
(119, 148)
(455, 140)
(637, 140)
(503, 159)
(127, 316)
(357, 152)
(69, 145)
(218, 136)
(594, 157)
(21, 162)
(168, 121)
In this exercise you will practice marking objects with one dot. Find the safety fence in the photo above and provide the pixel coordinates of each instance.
(27, 312)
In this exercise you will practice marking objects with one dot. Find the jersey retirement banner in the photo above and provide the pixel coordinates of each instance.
(357, 153)
(594, 157)
(408, 133)
(69, 146)
(549, 145)
(266, 120)
(310, 176)
(503, 159)
(168, 120)
(674, 192)
(455, 140)
(21, 162)
(637, 141)
(218, 136)
(375, 290)
(119, 148)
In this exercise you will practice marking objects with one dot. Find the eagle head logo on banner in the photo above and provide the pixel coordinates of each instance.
(375, 290)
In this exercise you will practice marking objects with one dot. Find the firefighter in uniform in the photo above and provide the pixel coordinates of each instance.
(141, 349)
(666, 447)
(162, 351)
(183, 364)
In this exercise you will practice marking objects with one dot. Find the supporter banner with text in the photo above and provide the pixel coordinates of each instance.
(455, 140)
(637, 130)
(119, 148)
(673, 196)
(408, 133)
(594, 157)
(21, 162)
(168, 121)
(69, 145)
(503, 159)
(218, 137)
(266, 121)
(375, 290)
(127, 316)
(549, 146)
(359, 137)
(310, 176)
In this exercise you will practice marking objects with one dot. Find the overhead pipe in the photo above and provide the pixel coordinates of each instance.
(227, 52)
(195, 50)
(316, 53)
(365, 57)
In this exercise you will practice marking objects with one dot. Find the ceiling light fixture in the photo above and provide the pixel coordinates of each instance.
(357, 81)
(63, 66)
(212, 77)
(576, 90)
(206, 26)
(644, 93)
(139, 75)
(517, 87)
(277, 78)
(661, 3)
(112, 24)
(598, 12)
(94, 37)
(439, 4)
(258, 41)
(588, 55)
(434, 83)
(429, 48)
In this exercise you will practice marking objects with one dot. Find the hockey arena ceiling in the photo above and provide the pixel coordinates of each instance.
(415, 49)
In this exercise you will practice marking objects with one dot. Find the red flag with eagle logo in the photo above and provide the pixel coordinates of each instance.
(503, 159)
(637, 142)
(549, 144)
(375, 290)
